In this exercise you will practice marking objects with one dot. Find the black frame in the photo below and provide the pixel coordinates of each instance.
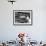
(23, 24)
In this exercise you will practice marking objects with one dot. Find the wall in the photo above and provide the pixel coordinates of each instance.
(38, 30)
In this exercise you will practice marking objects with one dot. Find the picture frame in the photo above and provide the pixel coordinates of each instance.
(22, 17)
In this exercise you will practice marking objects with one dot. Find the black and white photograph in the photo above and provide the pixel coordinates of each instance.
(22, 17)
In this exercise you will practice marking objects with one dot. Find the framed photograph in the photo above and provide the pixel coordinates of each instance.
(22, 17)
